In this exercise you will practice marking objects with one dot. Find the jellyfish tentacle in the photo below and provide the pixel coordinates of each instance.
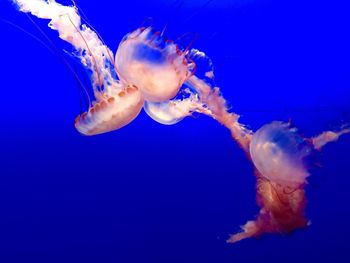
(85, 20)
(190, 44)
(54, 50)
(280, 212)
(90, 53)
(217, 105)
(324, 138)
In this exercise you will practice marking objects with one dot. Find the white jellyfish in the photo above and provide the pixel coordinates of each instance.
(278, 152)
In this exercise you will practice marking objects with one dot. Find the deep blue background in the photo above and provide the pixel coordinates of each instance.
(169, 194)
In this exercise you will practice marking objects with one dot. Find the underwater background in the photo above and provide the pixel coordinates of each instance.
(168, 194)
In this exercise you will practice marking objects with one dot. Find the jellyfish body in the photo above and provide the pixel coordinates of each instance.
(111, 113)
(278, 152)
(167, 113)
(151, 63)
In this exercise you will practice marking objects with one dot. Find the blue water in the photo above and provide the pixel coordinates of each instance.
(172, 194)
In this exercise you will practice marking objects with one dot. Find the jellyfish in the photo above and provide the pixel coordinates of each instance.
(286, 150)
(146, 67)
(280, 156)
(116, 103)
(156, 65)
(170, 83)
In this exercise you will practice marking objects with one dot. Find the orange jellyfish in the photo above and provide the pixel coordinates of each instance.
(279, 154)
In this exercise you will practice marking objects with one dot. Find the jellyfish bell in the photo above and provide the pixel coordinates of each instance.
(173, 111)
(115, 110)
(155, 65)
(278, 152)
(167, 113)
